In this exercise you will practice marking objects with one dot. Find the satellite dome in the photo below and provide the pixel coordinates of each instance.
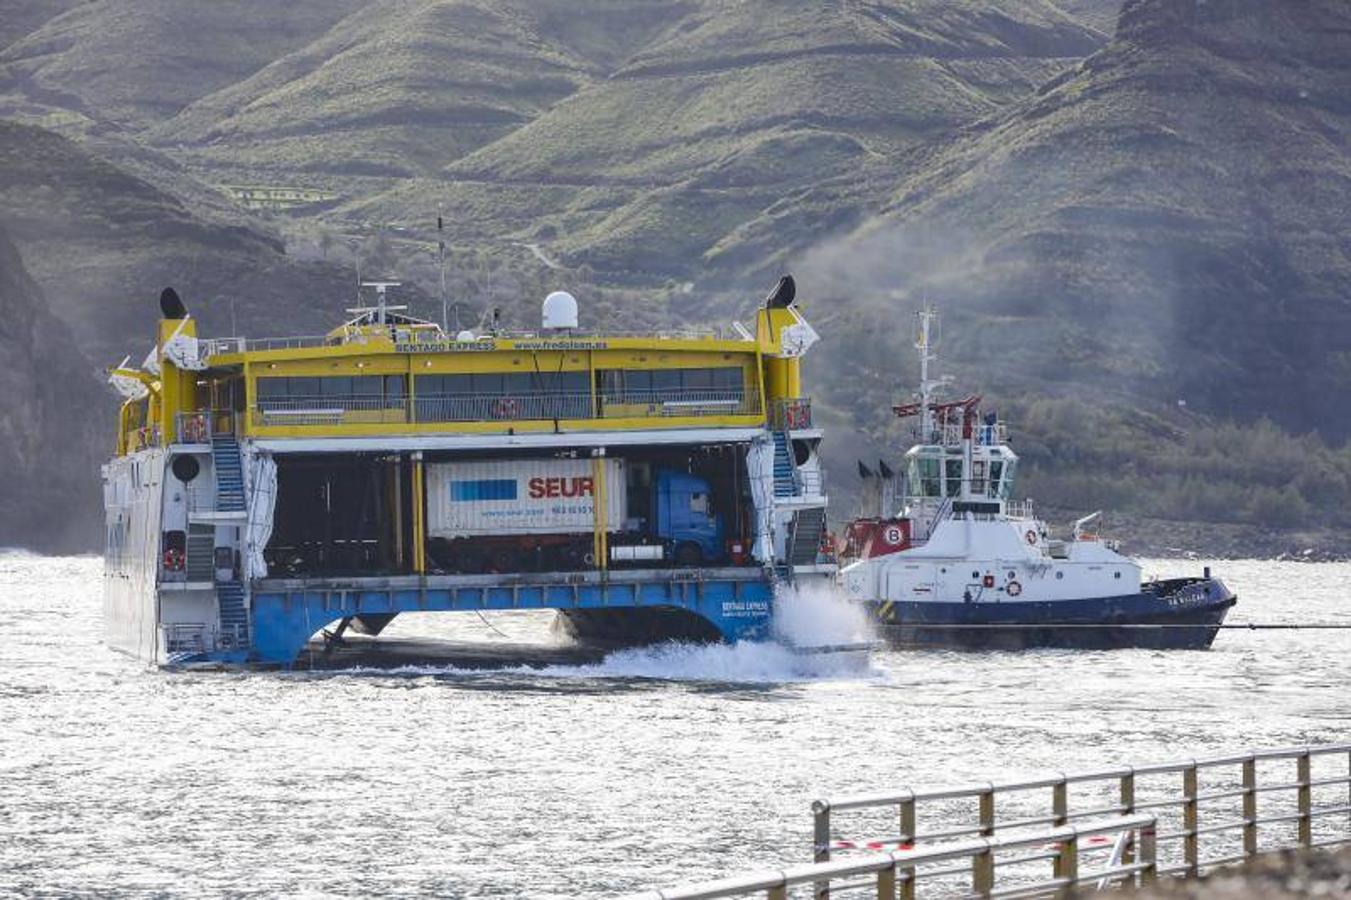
(465, 335)
(560, 310)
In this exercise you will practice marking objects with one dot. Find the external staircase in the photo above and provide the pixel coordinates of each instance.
(234, 617)
(785, 479)
(808, 526)
(229, 473)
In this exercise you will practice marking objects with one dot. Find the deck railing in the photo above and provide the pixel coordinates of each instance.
(791, 413)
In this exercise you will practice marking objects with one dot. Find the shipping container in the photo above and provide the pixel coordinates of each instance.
(521, 496)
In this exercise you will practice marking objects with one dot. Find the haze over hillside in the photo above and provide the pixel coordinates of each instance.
(54, 423)
(1113, 220)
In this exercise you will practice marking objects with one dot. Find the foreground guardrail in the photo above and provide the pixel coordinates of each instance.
(1228, 807)
(980, 859)
(1154, 820)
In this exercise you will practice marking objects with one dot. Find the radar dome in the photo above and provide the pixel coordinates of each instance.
(560, 310)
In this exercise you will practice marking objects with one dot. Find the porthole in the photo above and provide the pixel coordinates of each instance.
(1012, 574)
(185, 468)
(975, 574)
(1117, 575)
(1059, 574)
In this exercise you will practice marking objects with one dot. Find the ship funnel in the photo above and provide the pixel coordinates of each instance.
(783, 294)
(170, 306)
(560, 310)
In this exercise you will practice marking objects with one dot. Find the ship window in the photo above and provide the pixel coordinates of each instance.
(978, 476)
(336, 386)
(664, 380)
(924, 475)
(954, 477)
(489, 384)
(722, 384)
(996, 471)
(518, 383)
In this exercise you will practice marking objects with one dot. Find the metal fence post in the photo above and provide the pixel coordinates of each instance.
(1060, 801)
(1190, 846)
(987, 812)
(1067, 864)
(1149, 853)
(908, 831)
(886, 884)
(908, 826)
(982, 872)
(821, 844)
(1250, 806)
(1305, 794)
(1127, 809)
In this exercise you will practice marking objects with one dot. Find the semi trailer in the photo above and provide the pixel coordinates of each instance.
(549, 515)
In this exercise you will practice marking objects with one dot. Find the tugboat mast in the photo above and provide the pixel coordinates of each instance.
(924, 344)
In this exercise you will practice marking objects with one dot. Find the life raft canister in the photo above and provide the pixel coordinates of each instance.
(1031, 537)
(1013, 589)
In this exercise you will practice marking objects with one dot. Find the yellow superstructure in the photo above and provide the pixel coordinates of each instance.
(394, 375)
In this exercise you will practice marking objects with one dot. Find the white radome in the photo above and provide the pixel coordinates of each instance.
(560, 310)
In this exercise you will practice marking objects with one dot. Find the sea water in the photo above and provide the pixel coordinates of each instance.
(651, 767)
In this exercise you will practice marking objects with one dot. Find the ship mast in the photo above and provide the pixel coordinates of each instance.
(924, 343)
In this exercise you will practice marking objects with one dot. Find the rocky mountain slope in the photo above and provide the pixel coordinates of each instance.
(54, 423)
(714, 118)
(131, 63)
(1165, 223)
(102, 243)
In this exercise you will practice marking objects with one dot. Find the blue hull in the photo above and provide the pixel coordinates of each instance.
(1180, 614)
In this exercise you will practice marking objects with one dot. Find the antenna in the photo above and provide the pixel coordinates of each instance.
(924, 343)
(441, 251)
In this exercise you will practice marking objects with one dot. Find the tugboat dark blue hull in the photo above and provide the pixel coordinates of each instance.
(1180, 614)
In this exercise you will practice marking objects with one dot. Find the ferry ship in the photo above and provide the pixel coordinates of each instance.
(646, 486)
(946, 557)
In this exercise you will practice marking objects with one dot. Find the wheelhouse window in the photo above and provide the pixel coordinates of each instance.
(926, 475)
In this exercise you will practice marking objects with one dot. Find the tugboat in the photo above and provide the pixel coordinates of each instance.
(961, 564)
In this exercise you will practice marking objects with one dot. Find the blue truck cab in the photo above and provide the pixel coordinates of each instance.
(685, 519)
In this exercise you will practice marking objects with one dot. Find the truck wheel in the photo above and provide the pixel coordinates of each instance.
(688, 554)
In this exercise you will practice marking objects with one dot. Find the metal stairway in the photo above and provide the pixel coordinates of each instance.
(808, 526)
(229, 473)
(234, 618)
(785, 481)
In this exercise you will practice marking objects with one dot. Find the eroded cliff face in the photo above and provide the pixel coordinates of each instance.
(1165, 223)
(55, 423)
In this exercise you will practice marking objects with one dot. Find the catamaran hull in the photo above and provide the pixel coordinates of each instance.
(1181, 615)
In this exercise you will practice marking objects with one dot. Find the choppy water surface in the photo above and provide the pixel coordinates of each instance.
(651, 768)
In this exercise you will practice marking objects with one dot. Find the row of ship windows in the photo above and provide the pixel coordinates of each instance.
(616, 385)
